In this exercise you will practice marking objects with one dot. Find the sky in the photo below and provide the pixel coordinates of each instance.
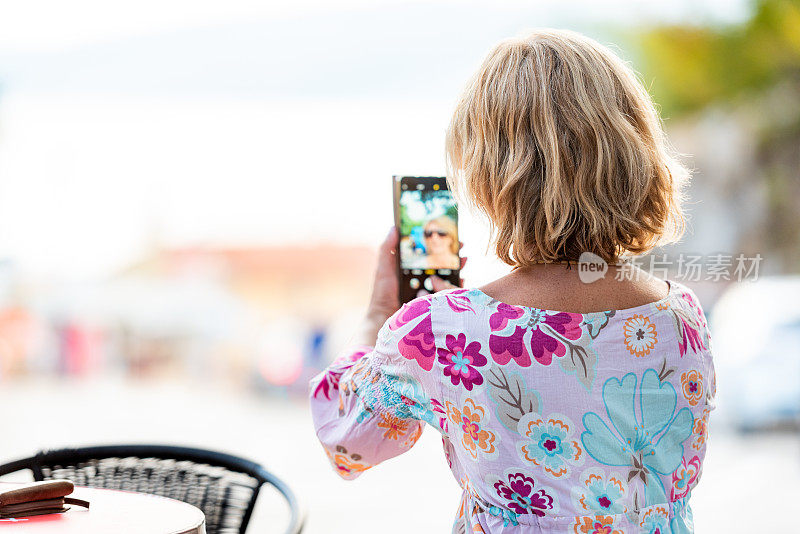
(44, 25)
(125, 124)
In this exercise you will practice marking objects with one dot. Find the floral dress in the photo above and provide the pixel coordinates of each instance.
(551, 421)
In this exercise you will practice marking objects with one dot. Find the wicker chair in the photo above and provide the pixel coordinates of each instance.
(224, 487)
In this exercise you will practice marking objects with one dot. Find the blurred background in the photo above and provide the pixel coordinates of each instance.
(191, 194)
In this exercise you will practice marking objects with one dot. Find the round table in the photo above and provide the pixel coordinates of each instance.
(113, 511)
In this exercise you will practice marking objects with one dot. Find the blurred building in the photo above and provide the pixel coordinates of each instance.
(263, 316)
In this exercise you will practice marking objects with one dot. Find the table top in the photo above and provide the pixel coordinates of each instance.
(112, 511)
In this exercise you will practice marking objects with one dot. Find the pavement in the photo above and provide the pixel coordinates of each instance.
(749, 483)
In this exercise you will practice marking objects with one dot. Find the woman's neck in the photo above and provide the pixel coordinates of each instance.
(560, 287)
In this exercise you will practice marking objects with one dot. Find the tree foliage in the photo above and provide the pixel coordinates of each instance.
(754, 65)
(690, 67)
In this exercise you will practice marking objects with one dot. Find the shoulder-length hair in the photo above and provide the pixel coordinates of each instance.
(556, 140)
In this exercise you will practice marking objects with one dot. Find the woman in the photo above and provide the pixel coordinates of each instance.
(563, 406)
(441, 243)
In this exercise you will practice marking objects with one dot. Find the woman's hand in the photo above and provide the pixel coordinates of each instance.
(439, 284)
(385, 298)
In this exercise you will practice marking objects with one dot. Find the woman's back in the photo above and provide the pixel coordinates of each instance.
(573, 415)
(549, 419)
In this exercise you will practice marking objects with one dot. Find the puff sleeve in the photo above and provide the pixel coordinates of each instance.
(372, 403)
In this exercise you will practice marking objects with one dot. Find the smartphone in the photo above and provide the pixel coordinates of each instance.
(426, 215)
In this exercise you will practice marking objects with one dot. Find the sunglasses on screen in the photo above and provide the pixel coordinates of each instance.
(429, 233)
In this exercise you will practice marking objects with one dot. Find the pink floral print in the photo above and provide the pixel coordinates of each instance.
(684, 477)
(520, 493)
(471, 420)
(461, 361)
(550, 421)
(690, 324)
(459, 301)
(549, 334)
(417, 344)
(595, 525)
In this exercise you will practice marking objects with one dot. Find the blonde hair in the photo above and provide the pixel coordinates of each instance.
(556, 140)
(448, 225)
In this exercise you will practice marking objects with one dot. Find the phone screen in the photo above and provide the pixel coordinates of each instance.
(426, 215)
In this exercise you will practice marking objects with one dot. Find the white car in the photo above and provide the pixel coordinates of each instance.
(756, 341)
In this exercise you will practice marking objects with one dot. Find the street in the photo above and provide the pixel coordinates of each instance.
(744, 479)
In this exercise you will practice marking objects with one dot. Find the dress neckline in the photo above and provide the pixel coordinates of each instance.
(671, 292)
